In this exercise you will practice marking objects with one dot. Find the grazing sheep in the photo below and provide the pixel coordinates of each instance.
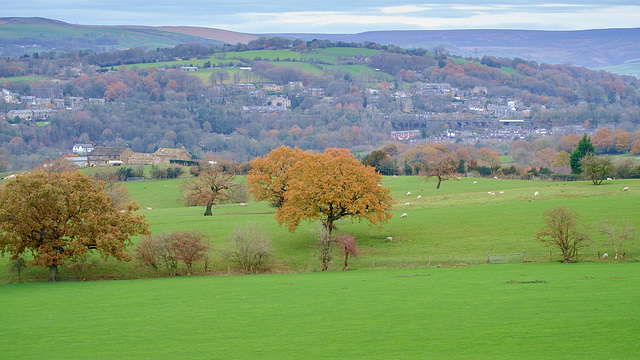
(395, 176)
(495, 177)
(535, 193)
(475, 182)
(458, 178)
(605, 255)
(403, 215)
(492, 193)
(626, 188)
(406, 204)
(408, 193)
(609, 179)
(389, 238)
(165, 186)
(244, 204)
(501, 192)
(148, 208)
(419, 196)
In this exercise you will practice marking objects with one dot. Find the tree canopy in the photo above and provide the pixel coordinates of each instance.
(59, 216)
(209, 187)
(327, 187)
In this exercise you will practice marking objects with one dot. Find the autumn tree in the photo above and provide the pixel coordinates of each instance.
(584, 147)
(331, 186)
(563, 231)
(597, 168)
(439, 162)
(209, 187)
(269, 176)
(602, 140)
(60, 216)
(489, 158)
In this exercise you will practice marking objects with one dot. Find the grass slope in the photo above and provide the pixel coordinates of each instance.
(457, 224)
(549, 310)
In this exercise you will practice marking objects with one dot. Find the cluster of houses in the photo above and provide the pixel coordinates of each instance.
(43, 102)
(115, 156)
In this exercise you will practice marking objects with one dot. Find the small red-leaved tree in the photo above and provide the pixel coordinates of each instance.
(348, 246)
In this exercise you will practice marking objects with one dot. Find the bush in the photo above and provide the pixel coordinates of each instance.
(168, 249)
(249, 249)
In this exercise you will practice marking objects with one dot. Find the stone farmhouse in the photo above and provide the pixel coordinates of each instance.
(104, 155)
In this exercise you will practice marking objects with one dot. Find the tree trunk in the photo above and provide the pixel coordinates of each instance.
(207, 211)
(439, 181)
(325, 245)
(346, 258)
(53, 273)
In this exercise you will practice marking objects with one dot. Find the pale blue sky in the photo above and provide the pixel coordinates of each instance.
(331, 16)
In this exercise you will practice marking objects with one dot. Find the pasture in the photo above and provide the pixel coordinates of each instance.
(457, 224)
(535, 310)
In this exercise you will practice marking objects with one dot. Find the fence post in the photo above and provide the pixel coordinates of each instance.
(524, 256)
(429, 263)
(488, 258)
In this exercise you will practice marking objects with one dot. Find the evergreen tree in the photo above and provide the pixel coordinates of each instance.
(584, 147)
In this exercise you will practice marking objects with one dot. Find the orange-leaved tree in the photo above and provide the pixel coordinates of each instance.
(269, 176)
(58, 216)
(328, 187)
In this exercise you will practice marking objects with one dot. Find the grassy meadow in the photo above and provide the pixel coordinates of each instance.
(457, 224)
(427, 294)
(535, 310)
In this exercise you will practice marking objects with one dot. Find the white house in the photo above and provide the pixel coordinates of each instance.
(82, 148)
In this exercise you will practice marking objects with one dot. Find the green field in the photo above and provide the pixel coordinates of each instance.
(457, 224)
(427, 294)
(538, 310)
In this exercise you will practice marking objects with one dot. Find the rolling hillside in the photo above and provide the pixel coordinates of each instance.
(613, 50)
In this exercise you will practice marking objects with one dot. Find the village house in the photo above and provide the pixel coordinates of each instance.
(162, 156)
(273, 87)
(244, 87)
(106, 155)
(188, 68)
(405, 135)
(82, 148)
(279, 101)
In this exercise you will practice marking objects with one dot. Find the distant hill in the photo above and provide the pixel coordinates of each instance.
(614, 50)
(589, 48)
(28, 35)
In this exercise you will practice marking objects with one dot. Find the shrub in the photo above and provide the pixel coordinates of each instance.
(168, 249)
(237, 193)
(249, 248)
(348, 246)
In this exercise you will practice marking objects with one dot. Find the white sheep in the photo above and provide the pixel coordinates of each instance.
(419, 196)
(501, 192)
(495, 177)
(403, 215)
(406, 204)
(389, 238)
(408, 193)
(475, 182)
(609, 179)
(626, 188)
(535, 193)
(605, 255)
(492, 193)
(395, 176)
(148, 208)
(244, 204)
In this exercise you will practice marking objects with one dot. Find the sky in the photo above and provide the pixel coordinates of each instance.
(337, 16)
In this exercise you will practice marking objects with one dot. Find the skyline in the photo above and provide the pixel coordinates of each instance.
(331, 16)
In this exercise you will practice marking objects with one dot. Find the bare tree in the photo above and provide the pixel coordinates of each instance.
(616, 235)
(563, 230)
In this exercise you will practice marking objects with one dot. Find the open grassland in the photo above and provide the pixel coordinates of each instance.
(533, 310)
(457, 224)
